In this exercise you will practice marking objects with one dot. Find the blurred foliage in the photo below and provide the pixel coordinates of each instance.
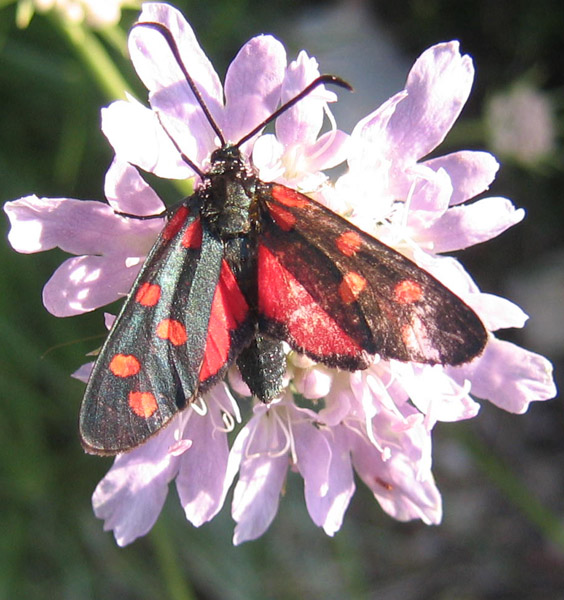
(51, 544)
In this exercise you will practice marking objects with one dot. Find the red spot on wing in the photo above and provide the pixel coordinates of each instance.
(282, 217)
(348, 243)
(125, 365)
(192, 237)
(289, 197)
(176, 222)
(351, 287)
(148, 294)
(173, 331)
(408, 292)
(229, 310)
(284, 300)
(143, 404)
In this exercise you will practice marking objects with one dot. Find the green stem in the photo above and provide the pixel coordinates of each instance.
(94, 56)
(109, 79)
(514, 489)
(116, 38)
(167, 558)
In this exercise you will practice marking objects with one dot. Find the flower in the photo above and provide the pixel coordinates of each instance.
(97, 13)
(326, 425)
(521, 124)
(109, 249)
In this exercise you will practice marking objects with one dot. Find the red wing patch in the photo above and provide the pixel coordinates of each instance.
(229, 311)
(374, 296)
(287, 305)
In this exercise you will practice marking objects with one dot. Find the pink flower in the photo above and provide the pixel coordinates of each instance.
(193, 452)
(377, 422)
(109, 250)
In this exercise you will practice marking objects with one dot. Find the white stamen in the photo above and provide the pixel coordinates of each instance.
(199, 406)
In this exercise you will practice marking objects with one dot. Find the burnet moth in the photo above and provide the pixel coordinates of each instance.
(240, 267)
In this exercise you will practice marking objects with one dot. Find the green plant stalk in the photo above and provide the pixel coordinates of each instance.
(106, 75)
(94, 56)
(514, 489)
(167, 559)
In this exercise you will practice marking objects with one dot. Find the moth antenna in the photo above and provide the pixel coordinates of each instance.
(333, 79)
(174, 49)
(183, 156)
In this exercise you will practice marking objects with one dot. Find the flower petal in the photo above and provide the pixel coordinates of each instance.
(470, 224)
(132, 494)
(75, 226)
(84, 283)
(127, 192)
(170, 94)
(471, 173)
(497, 312)
(327, 510)
(508, 376)
(301, 123)
(200, 481)
(436, 394)
(138, 138)
(399, 488)
(328, 151)
(83, 372)
(437, 88)
(257, 494)
(314, 456)
(252, 85)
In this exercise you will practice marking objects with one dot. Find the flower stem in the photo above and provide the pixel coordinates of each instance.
(173, 576)
(514, 489)
(94, 56)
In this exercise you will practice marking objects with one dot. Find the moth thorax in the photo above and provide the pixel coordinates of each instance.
(227, 204)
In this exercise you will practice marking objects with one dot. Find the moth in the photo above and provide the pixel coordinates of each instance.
(242, 266)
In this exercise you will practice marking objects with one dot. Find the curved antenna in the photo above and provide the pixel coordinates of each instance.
(183, 156)
(333, 79)
(174, 49)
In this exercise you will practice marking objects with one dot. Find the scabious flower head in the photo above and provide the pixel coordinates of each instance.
(521, 124)
(327, 424)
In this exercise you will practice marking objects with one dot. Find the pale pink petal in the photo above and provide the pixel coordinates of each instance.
(428, 195)
(370, 147)
(127, 192)
(257, 494)
(83, 372)
(436, 394)
(328, 151)
(131, 495)
(84, 283)
(313, 454)
(200, 480)
(467, 225)
(137, 137)
(437, 88)
(327, 510)
(313, 383)
(252, 86)
(471, 172)
(508, 376)
(75, 226)
(170, 93)
(337, 403)
(396, 483)
(301, 123)
(497, 312)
